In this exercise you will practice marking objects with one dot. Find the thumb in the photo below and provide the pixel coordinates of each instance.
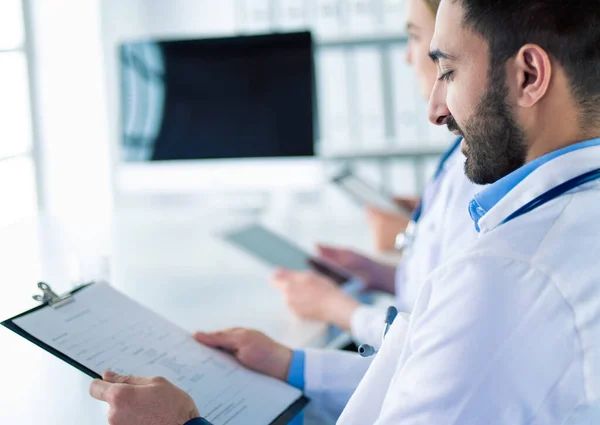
(115, 378)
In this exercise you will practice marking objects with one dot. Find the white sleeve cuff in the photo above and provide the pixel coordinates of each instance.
(330, 378)
(366, 325)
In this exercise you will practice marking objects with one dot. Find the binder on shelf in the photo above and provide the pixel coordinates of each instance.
(258, 15)
(407, 103)
(96, 328)
(369, 97)
(291, 15)
(333, 99)
(394, 15)
(362, 16)
(330, 17)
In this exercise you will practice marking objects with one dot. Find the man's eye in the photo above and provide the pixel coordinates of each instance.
(447, 76)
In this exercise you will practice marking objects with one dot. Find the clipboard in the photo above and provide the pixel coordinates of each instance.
(50, 300)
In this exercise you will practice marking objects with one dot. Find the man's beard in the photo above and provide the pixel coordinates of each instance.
(495, 143)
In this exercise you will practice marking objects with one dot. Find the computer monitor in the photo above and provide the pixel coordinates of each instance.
(218, 98)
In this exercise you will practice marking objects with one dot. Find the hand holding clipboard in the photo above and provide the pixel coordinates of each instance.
(96, 328)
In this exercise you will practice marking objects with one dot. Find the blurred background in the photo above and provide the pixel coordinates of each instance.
(63, 147)
(132, 132)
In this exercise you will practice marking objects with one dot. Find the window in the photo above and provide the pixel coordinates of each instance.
(17, 171)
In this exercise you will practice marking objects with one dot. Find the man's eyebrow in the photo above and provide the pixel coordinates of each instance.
(411, 26)
(437, 54)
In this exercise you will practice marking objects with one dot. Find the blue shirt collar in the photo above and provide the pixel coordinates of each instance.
(485, 200)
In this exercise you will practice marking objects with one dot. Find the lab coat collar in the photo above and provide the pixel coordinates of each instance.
(509, 194)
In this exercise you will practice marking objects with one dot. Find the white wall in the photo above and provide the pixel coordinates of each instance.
(71, 116)
(145, 19)
(76, 86)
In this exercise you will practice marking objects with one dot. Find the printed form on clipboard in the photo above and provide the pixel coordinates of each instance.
(97, 328)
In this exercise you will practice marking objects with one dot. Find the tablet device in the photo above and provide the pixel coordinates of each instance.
(278, 251)
(365, 194)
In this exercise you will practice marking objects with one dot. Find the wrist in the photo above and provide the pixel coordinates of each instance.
(282, 363)
(192, 414)
(339, 310)
(198, 421)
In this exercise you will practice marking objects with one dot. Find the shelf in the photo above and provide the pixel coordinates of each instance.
(349, 40)
(12, 50)
(396, 153)
(11, 156)
(332, 41)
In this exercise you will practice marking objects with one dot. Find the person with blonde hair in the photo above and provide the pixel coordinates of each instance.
(386, 225)
(439, 222)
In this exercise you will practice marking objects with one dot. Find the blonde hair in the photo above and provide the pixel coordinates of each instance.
(433, 5)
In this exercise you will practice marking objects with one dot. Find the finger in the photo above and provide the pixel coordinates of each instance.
(115, 378)
(322, 248)
(208, 338)
(227, 340)
(281, 274)
(327, 251)
(101, 390)
(204, 338)
(376, 212)
(334, 255)
(281, 279)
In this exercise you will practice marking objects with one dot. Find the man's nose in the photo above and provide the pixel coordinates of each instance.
(438, 110)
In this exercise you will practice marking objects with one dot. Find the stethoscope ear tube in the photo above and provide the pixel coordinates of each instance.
(366, 350)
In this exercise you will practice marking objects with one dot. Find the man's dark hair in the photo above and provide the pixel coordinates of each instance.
(568, 30)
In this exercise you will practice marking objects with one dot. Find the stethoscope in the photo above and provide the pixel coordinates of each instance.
(554, 193)
(366, 350)
(405, 239)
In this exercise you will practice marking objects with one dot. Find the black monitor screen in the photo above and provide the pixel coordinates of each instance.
(236, 97)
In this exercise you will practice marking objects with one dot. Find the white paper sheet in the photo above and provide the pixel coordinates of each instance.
(103, 329)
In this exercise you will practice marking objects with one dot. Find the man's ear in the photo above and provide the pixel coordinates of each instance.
(532, 69)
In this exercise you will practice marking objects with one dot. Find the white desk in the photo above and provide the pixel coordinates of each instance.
(165, 255)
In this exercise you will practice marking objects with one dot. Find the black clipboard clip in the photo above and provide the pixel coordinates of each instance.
(51, 298)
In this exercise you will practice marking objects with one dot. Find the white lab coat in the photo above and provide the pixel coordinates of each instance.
(445, 222)
(505, 332)
(331, 376)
